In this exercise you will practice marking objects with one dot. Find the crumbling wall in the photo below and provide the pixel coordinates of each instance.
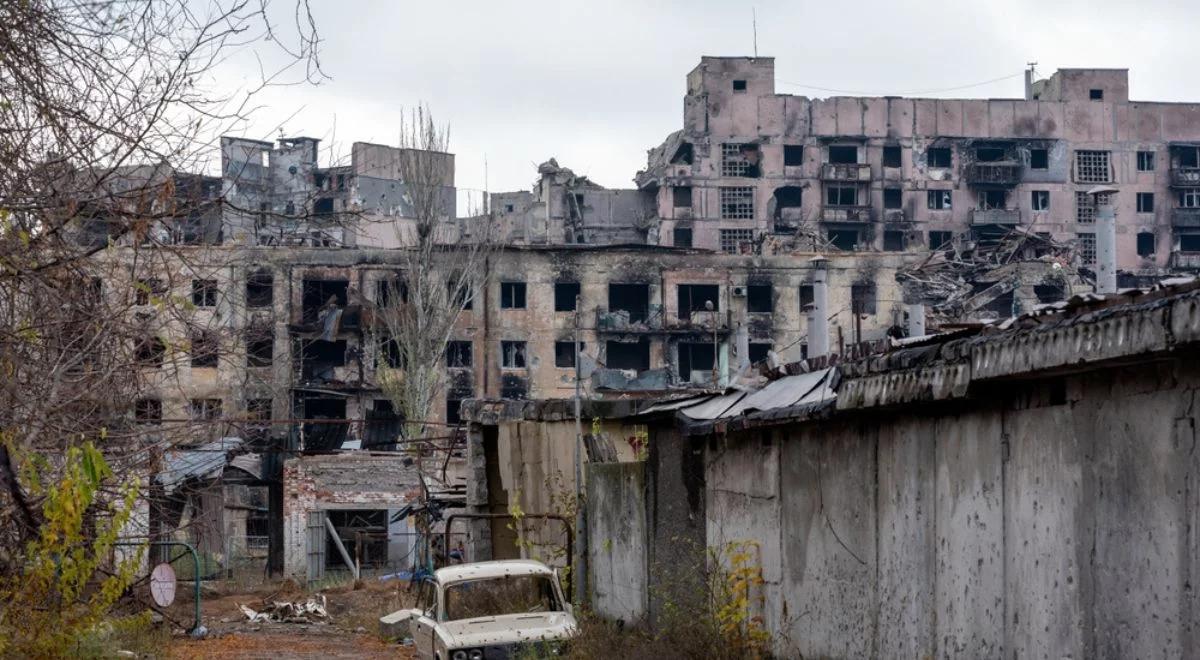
(617, 552)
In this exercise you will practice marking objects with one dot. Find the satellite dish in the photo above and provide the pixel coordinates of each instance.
(162, 585)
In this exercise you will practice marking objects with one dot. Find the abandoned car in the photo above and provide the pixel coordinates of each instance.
(490, 610)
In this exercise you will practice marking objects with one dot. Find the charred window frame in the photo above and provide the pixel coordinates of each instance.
(892, 155)
(564, 354)
(939, 157)
(204, 293)
(459, 354)
(759, 352)
(1145, 244)
(760, 298)
(627, 355)
(893, 240)
(993, 199)
(463, 296)
(681, 237)
(260, 289)
(939, 200)
(692, 298)
(1189, 199)
(806, 297)
(512, 355)
(893, 198)
(847, 240)
(633, 298)
(739, 160)
(565, 295)
(940, 240)
(862, 298)
(681, 197)
(1085, 206)
(512, 295)
(260, 346)
(391, 290)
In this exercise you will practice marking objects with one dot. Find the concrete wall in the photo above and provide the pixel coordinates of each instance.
(676, 522)
(617, 540)
(1049, 519)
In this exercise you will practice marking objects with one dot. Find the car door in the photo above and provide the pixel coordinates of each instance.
(423, 625)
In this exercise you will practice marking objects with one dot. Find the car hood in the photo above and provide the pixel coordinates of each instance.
(508, 629)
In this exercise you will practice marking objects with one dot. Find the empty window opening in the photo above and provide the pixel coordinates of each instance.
(204, 409)
(1189, 242)
(836, 195)
(461, 294)
(1145, 244)
(793, 155)
(204, 293)
(1145, 161)
(862, 298)
(631, 298)
(512, 354)
(698, 298)
(759, 352)
(391, 354)
(633, 355)
(806, 297)
(939, 157)
(939, 240)
(364, 536)
(565, 294)
(938, 200)
(740, 160)
(989, 154)
(992, 199)
(893, 241)
(323, 206)
(1092, 167)
(681, 197)
(147, 411)
(732, 240)
(789, 197)
(149, 352)
(760, 298)
(454, 411)
(739, 85)
(319, 358)
(258, 416)
(843, 239)
(893, 198)
(564, 354)
(1145, 202)
(1096, 94)
(391, 290)
(260, 347)
(260, 289)
(682, 237)
(1087, 248)
(891, 155)
(1039, 159)
(205, 348)
(1040, 200)
(323, 435)
(512, 295)
(458, 354)
(1188, 156)
(737, 203)
(843, 155)
(508, 208)
(319, 295)
(685, 154)
(1049, 293)
(696, 362)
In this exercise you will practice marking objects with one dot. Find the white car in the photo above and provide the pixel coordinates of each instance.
(491, 609)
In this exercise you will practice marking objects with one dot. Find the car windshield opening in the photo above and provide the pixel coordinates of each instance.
(514, 594)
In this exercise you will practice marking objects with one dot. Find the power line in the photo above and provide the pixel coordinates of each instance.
(912, 93)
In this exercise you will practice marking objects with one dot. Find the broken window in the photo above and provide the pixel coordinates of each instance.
(893, 198)
(390, 290)
(323, 206)
(260, 288)
(697, 362)
(1040, 200)
(940, 239)
(565, 294)
(1092, 167)
(843, 239)
(205, 409)
(806, 296)
(760, 298)
(260, 346)
(390, 351)
(258, 416)
(891, 155)
(684, 154)
(739, 85)
(512, 354)
(793, 155)
(681, 197)
(1145, 161)
(147, 290)
(893, 241)
(1087, 248)
(512, 295)
(1085, 206)
(989, 154)
(838, 195)
(1188, 156)
(463, 295)
(508, 208)
(633, 355)
(1189, 199)
(862, 298)
(205, 348)
(321, 295)
(631, 298)
(759, 352)
(1145, 202)
(1096, 94)
(697, 298)
(740, 160)
(1189, 242)
(1039, 159)
(319, 358)
(682, 237)
(733, 239)
(1145, 244)
(149, 352)
(453, 411)
(938, 156)
(788, 197)
(564, 354)
(458, 354)
(737, 203)
(843, 154)
(147, 411)
(992, 199)
(938, 199)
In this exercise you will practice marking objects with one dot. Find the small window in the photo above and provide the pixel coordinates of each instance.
(1145, 161)
(1145, 202)
(458, 354)
(204, 293)
(564, 354)
(939, 240)
(843, 239)
(806, 297)
(1188, 156)
(1039, 159)
(893, 198)
(147, 411)
(260, 289)
(512, 295)
(793, 155)
(939, 157)
(1145, 244)
(862, 298)
(204, 349)
(453, 416)
(1040, 200)
(891, 156)
(1189, 242)
(462, 295)
(205, 409)
(260, 347)
(565, 294)
(843, 155)
(508, 208)
(512, 354)
(1096, 94)
(938, 199)
(893, 241)
(836, 195)
(682, 197)
(739, 85)
(759, 352)
(759, 298)
(682, 237)
(149, 352)
(989, 154)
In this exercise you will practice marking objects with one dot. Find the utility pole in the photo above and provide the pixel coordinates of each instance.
(580, 561)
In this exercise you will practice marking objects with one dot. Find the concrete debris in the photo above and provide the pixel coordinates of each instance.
(277, 611)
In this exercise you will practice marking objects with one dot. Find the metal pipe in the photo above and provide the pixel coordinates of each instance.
(818, 316)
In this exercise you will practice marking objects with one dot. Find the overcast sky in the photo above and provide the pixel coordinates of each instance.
(597, 84)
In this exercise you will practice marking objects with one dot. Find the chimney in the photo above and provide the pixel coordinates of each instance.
(1106, 239)
(818, 316)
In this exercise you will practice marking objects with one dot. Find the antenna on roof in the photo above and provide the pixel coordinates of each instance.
(754, 26)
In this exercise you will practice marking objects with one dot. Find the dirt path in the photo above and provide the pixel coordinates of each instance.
(276, 643)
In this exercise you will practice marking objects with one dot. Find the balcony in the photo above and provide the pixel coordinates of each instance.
(995, 216)
(855, 214)
(1185, 177)
(998, 173)
(1185, 218)
(629, 320)
(893, 216)
(846, 172)
(701, 321)
(1185, 260)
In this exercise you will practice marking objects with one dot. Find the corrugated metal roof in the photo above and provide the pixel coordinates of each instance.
(204, 462)
(714, 407)
(785, 392)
